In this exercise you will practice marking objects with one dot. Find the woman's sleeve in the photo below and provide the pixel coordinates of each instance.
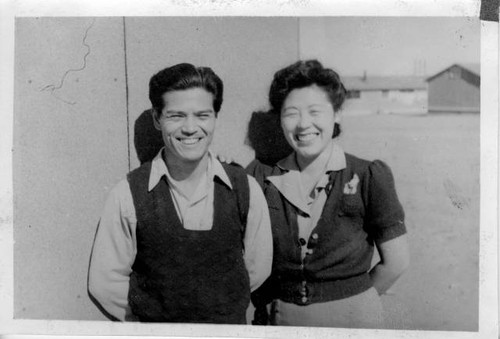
(384, 213)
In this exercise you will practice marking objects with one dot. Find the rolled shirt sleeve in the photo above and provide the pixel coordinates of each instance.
(113, 253)
(258, 240)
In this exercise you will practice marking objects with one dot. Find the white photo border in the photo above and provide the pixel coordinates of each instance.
(488, 310)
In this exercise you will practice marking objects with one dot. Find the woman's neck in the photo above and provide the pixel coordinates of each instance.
(312, 169)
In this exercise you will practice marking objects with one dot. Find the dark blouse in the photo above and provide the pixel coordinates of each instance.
(362, 208)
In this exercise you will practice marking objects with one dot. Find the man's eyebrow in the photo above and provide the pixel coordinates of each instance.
(173, 112)
(182, 112)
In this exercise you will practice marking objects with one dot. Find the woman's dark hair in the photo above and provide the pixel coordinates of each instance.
(303, 74)
(184, 76)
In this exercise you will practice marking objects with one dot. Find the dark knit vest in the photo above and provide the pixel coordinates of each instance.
(181, 275)
(340, 249)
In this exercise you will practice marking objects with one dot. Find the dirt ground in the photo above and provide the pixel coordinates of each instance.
(435, 162)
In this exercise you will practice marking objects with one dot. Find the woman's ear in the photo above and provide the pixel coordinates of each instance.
(156, 118)
(336, 127)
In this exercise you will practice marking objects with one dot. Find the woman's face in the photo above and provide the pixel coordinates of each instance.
(307, 120)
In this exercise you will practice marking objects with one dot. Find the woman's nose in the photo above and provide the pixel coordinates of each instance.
(304, 120)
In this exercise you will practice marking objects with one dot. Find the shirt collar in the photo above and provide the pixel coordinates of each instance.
(159, 169)
(336, 161)
(286, 182)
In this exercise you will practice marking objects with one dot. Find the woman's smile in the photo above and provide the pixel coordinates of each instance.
(306, 137)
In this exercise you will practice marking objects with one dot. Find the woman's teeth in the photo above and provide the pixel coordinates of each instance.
(306, 137)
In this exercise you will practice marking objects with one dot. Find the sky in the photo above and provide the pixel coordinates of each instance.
(390, 45)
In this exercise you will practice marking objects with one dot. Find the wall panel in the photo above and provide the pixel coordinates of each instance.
(79, 88)
(70, 147)
(244, 52)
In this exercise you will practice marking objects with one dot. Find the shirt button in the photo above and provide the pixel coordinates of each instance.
(309, 251)
(302, 242)
(304, 299)
(315, 236)
(304, 283)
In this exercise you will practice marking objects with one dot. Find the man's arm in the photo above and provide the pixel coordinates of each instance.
(113, 253)
(258, 237)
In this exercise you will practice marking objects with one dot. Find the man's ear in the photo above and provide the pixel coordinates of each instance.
(338, 116)
(156, 118)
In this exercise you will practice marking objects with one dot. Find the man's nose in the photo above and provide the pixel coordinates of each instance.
(189, 126)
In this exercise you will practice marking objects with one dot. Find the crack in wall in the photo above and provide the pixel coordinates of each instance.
(53, 88)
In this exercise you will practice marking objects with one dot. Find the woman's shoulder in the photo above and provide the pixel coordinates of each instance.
(377, 167)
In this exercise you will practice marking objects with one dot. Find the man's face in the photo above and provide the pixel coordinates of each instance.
(187, 124)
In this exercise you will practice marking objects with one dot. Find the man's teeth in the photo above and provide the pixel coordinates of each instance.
(189, 141)
(306, 137)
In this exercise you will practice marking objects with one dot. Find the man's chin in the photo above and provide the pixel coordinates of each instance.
(192, 158)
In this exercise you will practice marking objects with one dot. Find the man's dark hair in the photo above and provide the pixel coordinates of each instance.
(181, 77)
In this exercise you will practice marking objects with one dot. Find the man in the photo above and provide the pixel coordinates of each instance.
(184, 238)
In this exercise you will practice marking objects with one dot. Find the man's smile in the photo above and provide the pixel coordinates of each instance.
(189, 141)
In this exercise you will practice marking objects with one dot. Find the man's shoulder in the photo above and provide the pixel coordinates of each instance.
(233, 169)
(138, 179)
(142, 171)
(237, 175)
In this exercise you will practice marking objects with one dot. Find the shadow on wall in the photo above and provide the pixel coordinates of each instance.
(264, 136)
(147, 139)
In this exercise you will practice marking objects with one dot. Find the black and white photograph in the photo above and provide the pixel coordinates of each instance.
(286, 175)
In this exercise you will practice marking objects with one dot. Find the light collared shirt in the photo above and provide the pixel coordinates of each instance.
(309, 205)
(115, 244)
(196, 211)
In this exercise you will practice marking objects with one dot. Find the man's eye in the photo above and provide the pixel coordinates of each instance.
(174, 116)
(288, 114)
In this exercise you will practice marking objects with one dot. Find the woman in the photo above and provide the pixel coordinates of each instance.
(328, 210)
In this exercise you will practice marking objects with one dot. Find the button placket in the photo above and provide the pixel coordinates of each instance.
(302, 243)
(303, 287)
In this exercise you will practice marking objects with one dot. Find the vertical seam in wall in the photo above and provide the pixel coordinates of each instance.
(126, 91)
(298, 38)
